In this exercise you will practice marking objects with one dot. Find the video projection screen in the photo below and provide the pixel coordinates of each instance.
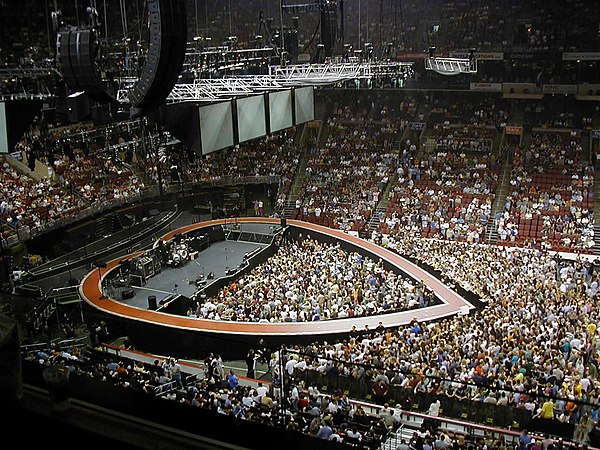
(3, 132)
(280, 110)
(304, 104)
(251, 118)
(216, 126)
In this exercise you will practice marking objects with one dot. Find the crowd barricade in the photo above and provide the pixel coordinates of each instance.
(477, 412)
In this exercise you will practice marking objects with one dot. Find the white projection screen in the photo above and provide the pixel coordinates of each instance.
(3, 129)
(251, 118)
(280, 110)
(216, 126)
(304, 104)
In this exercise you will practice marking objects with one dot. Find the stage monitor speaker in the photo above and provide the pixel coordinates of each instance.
(283, 222)
(152, 302)
(127, 294)
(101, 264)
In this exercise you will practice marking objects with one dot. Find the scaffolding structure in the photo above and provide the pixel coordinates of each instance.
(280, 77)
(451, 66)
(331, 73)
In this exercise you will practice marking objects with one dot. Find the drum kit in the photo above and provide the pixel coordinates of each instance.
(179, 254)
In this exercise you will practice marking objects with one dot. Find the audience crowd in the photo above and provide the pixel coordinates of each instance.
(535, 339)
(551, 195)
(27, 202)
(365, 158)
(534, 346)
(534, 342)
(309, 281)
(274, 156)
(82, 167)
(482, 111)
(563, 115)
(447, 195)
(344, 180)
(301, 408)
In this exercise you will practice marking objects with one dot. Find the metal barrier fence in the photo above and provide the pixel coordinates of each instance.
(475, 412)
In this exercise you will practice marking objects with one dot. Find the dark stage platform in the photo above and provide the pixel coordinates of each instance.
(450, 304)
(219, 258)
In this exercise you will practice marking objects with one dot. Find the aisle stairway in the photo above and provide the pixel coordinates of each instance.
(597, 214)
(379, 213)
(491, 233)
(103, 227)
(297, 186)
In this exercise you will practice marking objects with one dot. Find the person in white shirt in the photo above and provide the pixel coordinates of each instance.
(434, 409)
(261, 390)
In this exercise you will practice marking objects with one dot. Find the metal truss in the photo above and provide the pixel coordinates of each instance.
(212, 89)
(318, 74)
(39, 90)
(224, 58)
(280, 77)
(302, 8)
(26, 72)
(7, 97)
(451, 66)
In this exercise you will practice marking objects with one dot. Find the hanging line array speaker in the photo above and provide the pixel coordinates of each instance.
(78, 49)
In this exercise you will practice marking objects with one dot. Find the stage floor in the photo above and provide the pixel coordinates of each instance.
(218, 259)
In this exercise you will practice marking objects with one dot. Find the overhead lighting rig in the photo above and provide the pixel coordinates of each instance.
(451, 66)
(281, 77)
(335, 72)
(219, 59)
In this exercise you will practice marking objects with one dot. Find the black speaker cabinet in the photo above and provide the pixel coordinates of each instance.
(127, 294)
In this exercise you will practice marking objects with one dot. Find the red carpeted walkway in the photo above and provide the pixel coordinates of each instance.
(452, 303)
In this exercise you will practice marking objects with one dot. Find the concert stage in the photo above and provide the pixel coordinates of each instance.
(133, 315)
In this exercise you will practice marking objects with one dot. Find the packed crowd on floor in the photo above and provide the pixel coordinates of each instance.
(535, 340)
(309, 281)
(534, 346)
